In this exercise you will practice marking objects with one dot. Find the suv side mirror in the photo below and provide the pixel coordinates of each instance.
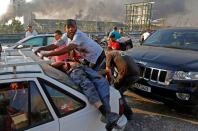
(24, 46)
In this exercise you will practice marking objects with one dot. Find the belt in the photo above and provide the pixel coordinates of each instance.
(100, 59)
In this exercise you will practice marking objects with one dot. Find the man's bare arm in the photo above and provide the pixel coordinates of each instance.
(62, 51)
(46, 48)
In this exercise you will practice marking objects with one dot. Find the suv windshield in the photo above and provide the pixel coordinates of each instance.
(174, 38)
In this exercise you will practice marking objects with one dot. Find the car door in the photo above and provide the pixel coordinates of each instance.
(72, 108)
(27, 106)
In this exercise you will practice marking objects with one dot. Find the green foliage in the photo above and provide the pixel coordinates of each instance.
(14, 27)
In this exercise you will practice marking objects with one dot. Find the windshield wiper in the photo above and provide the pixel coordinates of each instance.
(175, 47)
(152, 45)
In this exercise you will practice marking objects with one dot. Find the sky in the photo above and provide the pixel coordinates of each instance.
(3, 6)
(178, 13)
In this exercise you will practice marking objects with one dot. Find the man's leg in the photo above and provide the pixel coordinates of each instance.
(122, 87)
(80, 78)
(127, 109)
(101, 85)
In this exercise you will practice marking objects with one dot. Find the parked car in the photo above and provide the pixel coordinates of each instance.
(34, 41)
(35, 96)
(135, 37)
(124, 42)
(168, 61)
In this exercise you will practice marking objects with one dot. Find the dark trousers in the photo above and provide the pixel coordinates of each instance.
(122, 87)
(100, 63)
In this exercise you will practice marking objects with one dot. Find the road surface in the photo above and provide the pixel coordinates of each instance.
(151, 115)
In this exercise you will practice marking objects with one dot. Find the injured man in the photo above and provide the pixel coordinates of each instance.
(95, 87)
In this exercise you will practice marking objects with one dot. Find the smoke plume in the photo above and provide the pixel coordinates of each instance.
(182, 11)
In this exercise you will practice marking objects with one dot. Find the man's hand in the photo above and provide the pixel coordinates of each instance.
(108, 74)
(45, 54)
(37, 51)
(42, 54)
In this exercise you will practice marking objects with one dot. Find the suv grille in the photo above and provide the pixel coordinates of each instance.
(153, 74)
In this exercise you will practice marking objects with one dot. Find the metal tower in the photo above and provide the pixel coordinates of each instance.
(138, 15)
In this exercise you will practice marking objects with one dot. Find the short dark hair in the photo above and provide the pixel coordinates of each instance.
(115, 28)
(112, 35)
(70, 22)
(58, 32)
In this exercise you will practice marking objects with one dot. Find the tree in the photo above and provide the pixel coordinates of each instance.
(16, 26)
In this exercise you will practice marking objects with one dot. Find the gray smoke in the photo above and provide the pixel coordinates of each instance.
(166, 8)
(107, 10)
(79, 9)
(176, 12)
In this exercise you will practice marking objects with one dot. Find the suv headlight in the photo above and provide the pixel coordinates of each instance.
(181, 75)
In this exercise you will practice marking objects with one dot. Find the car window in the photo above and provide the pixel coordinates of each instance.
(59, 76)
(21, 106)
(36, 41)
(182, 39)
(50, 40)
(63, 102)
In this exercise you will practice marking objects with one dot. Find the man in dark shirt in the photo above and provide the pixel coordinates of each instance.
(127, 73)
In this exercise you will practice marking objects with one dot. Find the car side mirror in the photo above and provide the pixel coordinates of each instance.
(19, 46)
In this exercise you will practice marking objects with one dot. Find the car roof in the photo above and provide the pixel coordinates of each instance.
(15, 59)
(180, 28)
(25, 63)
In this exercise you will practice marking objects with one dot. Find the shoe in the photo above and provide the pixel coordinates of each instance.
(103, 119)
(111, 119)
(128, 112)
(129, 117)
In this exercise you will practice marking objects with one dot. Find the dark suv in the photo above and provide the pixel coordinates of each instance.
(168, 61)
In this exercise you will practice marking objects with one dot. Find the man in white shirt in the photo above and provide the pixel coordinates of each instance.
(30, 32)
(89, 50)
(145, 35)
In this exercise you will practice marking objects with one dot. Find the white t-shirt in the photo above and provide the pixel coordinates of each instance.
(63, 40)
(64, 37)
(88, 48)
(146, 35)
(59, 42)
(33, 33)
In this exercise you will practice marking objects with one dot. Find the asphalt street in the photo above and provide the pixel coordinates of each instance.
(151, 115)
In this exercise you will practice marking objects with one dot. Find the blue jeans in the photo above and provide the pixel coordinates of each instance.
(93, 85)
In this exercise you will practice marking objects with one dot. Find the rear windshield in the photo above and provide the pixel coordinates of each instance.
(178, 38)
(59, 76)
(52, 72)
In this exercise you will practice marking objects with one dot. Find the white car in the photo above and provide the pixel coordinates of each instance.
(33, 41)
(35, 96)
